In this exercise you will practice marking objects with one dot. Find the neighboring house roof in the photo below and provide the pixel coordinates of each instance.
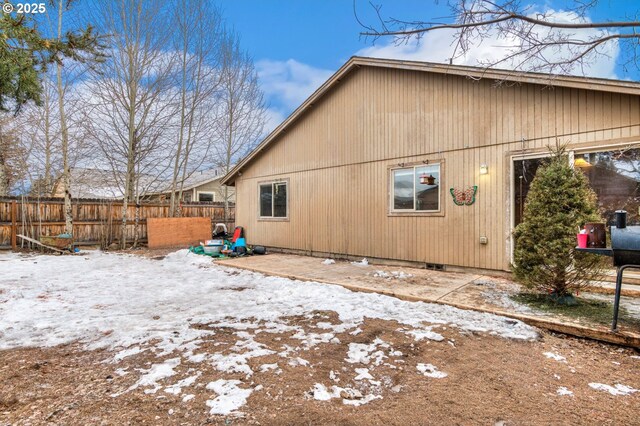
(586, 83)
(201, 177)
(104, 184)
(195, 180)
(100, 183)
(92, 183)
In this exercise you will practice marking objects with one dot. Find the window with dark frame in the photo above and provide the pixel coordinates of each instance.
(205, 196)
(273, 199)
(416, 189)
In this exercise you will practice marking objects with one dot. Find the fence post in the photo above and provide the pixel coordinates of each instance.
(14, 225)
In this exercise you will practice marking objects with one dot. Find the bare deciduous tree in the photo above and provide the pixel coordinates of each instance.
(40, 138)
(197, 44)
(64, 132)
(160, 106)
(240, 107)
(40, 134)
(533, 38)
(132, 98)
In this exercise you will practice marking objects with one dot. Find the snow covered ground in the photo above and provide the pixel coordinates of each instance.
(113, 300)
(129, 304)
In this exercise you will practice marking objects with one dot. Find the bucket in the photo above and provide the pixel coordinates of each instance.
(582, 240)
(213, 247)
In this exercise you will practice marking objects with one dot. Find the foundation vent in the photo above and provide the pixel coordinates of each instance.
(434, 266)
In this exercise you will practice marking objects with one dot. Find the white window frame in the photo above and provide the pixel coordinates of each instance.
(413, 212)
(213, 195)
(284, 182)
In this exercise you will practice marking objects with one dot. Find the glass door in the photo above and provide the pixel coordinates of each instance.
(524, 171)
(615, 178)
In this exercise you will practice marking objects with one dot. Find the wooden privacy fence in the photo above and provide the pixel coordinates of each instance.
(95, 222)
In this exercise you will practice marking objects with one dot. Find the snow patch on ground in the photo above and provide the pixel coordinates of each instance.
(230, 396)
(321, 393)
(555, 356)
(124, 302)
(110, 301)
(176, 388)
(563, 391)
(425, 334)
(310, 340)
(616, 390)
(363, 374)
(264, 368)
(244, 350)
(349, 396)
(431, 370)
(364, 400)
(324, 324)
(154, 374)
(232, 363)
(328, 262)
(400, 275)
(374, 353)
(295, 362)
(134, 350)
(500, 294)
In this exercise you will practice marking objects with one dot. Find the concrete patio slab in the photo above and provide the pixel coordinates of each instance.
(462, 290)
(423, 284)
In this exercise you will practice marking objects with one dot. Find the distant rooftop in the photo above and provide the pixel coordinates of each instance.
(100, 183)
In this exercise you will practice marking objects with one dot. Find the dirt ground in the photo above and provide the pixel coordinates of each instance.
(490, 380)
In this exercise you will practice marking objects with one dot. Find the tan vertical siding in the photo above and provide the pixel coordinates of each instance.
(337, 158)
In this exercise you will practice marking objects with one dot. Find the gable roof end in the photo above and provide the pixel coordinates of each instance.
(478, 73)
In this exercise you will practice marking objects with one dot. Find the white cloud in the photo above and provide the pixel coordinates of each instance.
(273, 118)
(288, 83)
(438, 46)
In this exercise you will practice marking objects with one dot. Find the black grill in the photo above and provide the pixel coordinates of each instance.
(625, 250)
(625, 241)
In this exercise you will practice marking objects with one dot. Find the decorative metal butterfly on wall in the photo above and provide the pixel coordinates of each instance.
(464, 197)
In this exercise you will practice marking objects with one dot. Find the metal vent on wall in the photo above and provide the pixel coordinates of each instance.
(434, 266)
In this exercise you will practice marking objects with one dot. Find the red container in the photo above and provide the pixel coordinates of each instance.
(582, 240)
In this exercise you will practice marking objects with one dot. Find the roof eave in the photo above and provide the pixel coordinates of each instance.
(617, 86)
(229, 178)
(587, 83)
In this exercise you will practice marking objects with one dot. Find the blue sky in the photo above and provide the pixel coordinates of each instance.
(298, 44)
(320, 33)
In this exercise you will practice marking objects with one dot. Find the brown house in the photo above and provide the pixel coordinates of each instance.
(366, 166)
